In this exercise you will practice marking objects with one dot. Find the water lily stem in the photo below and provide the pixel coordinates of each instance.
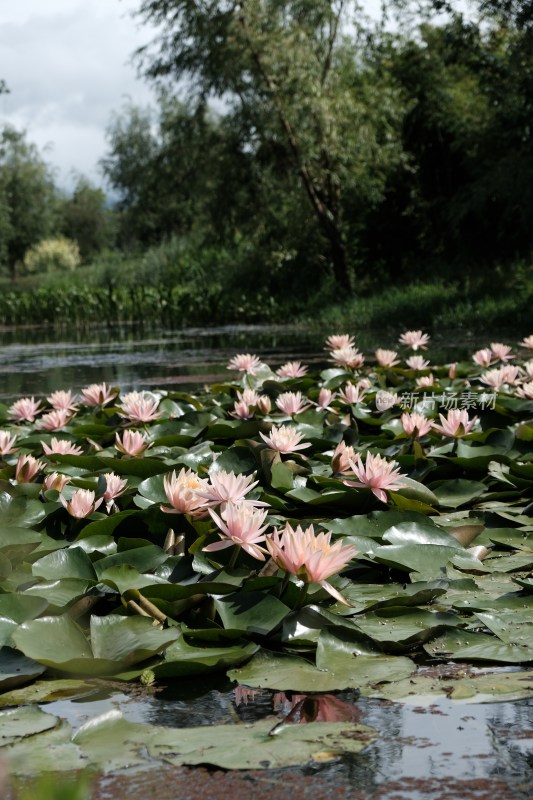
(302, 596)
(234, 557)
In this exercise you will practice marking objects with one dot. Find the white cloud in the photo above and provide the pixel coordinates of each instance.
(68, 66)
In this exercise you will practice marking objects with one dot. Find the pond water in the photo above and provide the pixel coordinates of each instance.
(430, 748)
(36, 361)
(427, 749)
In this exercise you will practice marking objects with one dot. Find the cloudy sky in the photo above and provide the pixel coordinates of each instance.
(66, 63)
(68, 66)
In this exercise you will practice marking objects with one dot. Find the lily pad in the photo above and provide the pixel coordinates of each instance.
(117, 642)
(47, 692)
(242, 746)
(16, 669)
(283, 672)
(495, 686)
(19, 723)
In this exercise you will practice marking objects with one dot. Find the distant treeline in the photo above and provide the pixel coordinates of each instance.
(297, 151)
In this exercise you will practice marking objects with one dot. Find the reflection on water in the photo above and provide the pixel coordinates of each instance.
(37, 362)
(437, 739)
(32, 363)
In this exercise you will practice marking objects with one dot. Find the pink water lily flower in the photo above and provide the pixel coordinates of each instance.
(502, 352)
(528, 368)
(386, 358)
(55, 420)
(342, 455)
(424, 381)
(525, 391)
(133, 443)
(241, 410)
(25, 409)
(483, 357)
(27, 468)
(263, 405)
(61, 447)
(56, 480)
(310, 556)
(416, 340)
(115, 487)
(99, 394)
(6, 443)
(243, 525)
(63, 400)
(139, 407)
(351, 394)
(415, 425)
(527, 342)
(284, 439)
(248, 401)
(497, 378)
(81, 504)
(376, 474)
(339, 341)
(292, 369)
(291, 403)
(227, 487)
(417, 362)
(385, 400)
(348, 357)
(183, 493)
(325, 399)
(456, 425)
(245, 362)
(249, 396)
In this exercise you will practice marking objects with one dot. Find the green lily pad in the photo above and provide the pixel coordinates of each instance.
(15, 543)
(470, 646)
(428, 562)
(242, 746)
(256, 612)
(16, 669)
(59, 594)
(19, 723)
(458, 492)
(117, 642)
(182, 658)
(47, 692)
(493, 687)
(71, 562)
(20, 512)
(283, 672)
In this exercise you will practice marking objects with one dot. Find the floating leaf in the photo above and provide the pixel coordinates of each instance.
(458, 492)
(345, 670)
(16, 669)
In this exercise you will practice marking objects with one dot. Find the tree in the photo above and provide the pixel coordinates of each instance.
(296, 87)
(86, 219)
(28, 198)
(157, 166)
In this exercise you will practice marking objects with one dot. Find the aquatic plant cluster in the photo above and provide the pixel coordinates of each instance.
(307, 532)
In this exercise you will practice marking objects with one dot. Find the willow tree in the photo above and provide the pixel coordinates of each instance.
(292, 76)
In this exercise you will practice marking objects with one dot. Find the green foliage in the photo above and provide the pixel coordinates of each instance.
(52, 254)
(341, 158)
(50, 787)
(28, 202)
(86, 219)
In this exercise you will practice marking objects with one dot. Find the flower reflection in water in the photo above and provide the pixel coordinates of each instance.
(296, 708)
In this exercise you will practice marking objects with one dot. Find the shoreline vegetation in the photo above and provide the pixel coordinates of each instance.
(152, 291)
